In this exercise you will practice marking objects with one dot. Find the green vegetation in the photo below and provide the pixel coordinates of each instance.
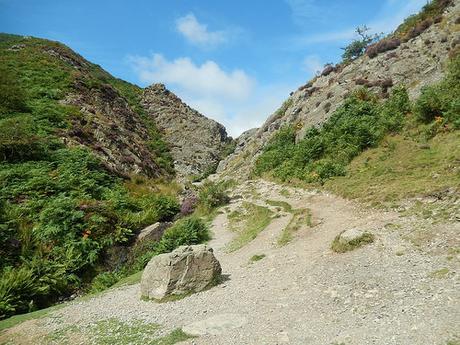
(186, 231)
(256, 257)
(213, 195)
(277, 203)
(339, 246)
(377, 150)
(256, 218)
(114, 331)
(358, 124)
(418, 22)
(358, 46)
(300, 217)
(60, 208)
(17, 319)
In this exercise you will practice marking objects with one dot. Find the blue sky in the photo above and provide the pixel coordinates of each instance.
(235, 61)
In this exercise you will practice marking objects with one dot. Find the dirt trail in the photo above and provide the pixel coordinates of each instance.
(402, 289)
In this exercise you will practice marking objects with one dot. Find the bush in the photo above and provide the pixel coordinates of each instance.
(187, 231)
(104, 280)
(213, 195)
(357, 47)
(382, 46)
(428, 105)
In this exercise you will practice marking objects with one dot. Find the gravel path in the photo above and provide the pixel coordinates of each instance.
(402, 289)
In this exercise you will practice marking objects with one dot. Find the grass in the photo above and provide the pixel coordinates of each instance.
(17, 319)
(402, 168)
(113, 331)
(276, 203)
(256, 257)
(256, 218)
(129, 280)
(299, 218)
(339, 246)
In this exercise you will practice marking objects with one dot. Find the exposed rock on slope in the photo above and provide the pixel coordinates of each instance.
(196, 142)
(106, 116)
(415, 63)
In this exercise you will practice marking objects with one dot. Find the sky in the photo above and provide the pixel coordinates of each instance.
(234, 61)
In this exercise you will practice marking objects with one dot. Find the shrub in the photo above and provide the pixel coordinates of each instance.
(187, 231)
(428, 105)
(213, 195)
(104, 280)
(188, 205)
(382, 46)
(357, 47)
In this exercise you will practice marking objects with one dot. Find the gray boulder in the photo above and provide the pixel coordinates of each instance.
(153, 232)
(351, 235)
(186, 270)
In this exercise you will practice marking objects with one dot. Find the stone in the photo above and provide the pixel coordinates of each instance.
(215, 325)
(153, 232)
(350, 235)
(187, 269)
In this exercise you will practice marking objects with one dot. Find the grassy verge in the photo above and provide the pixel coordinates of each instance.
(255, 219)
(299, 218)
(17, 319)
(402, 168)
(113, 331)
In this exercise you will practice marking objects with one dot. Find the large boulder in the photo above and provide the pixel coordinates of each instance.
(186, 270)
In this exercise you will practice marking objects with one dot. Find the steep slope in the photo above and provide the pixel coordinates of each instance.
(83, 105)
(83, 169)
(197, 143)
(414, 62)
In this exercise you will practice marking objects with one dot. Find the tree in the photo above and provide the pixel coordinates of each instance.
(358, 46)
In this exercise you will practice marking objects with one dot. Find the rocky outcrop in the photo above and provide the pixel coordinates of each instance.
(416, 63)
(196, 142)
(186, 270)
(115, 133)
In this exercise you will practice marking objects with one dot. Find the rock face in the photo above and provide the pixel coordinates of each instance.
(415, 64)
(187, 269)
(196, 142)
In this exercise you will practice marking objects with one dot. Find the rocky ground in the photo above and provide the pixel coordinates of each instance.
(401, 289)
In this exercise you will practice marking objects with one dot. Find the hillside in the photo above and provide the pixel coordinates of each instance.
(335, 223)
(83, 169)
(414, 60)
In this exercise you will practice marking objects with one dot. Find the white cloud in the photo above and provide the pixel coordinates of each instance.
(312, 64)
(206, 79)
(197, 33)
(231, 97)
